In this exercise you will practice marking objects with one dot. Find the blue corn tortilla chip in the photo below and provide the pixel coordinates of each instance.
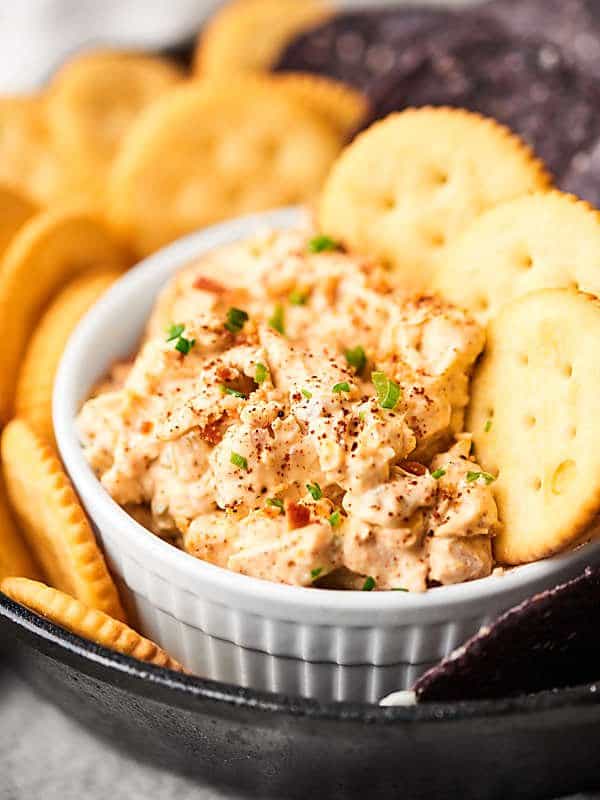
(528, 86)
(547, 642)
(359, 47)
(572, 25)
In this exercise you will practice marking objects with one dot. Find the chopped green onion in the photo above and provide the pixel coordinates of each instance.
(369, 584)
(174, 332)
(321, 243)
(314, 573)
(298, 298)
(233, 392)
(388, 391)
(438, 473)
(184, 345)
(474, 476)
(238, 461)
(315, 490)
(344, 386)
(362, 415)
(399, 589)
(335, 519)
(236, 319)
(261, 374)
(306, 393)
(277, 320)
(488, 426)
(357, 358)
(275, 502)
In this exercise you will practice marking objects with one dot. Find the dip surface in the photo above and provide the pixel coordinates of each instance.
(292, 416)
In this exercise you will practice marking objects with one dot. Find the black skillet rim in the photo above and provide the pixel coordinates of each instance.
(184, 691)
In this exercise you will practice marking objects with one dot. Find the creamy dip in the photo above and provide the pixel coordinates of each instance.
(292, 416)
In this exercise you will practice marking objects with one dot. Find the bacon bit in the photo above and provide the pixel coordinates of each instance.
(212, 432)
(225, 373)
(413, 468)
(146, 426)
(297, 516)
(208, 285)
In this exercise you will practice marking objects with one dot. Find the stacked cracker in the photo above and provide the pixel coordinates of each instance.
(450, 201)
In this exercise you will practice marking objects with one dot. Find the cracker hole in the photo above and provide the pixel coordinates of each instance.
(523, 359)
(483, 303)
(536, 484)
(564, 475)
(572, 432)
(439, 177)
(526, 261)
(389, 202)
(438, 239)
(530, 421)
(568, 370)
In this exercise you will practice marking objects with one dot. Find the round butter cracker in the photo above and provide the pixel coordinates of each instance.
(250, 35)
(15, 558)
(411, 183)
(92, 102)
(215, 150)
(49, 250)
(53, 521)
(15, 210)
(534, 418)
(33, 396)
(75, 616)
(544, 241)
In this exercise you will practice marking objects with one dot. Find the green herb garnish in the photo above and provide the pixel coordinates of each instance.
(233, 392)
(261, 374)
(399, 589)
(321, 243)
(344, 386)
(474, 476)
(305, 393)
(275, 502)
(174, 332)
(236, 319)
(488, 426)
(182, 345)
(277, 320)
(357, 358)
(388, 391)
(298, 298)
(335, 519)
(315, 490)
(438, 473)
(369, 584)
(238, 461)
(314, 573)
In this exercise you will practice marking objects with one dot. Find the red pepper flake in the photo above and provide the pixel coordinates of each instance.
(208, 285)
(413, 468)
(297, 516)
(212, 432)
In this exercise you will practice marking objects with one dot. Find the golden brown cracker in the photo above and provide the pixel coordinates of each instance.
(249, 35)
(33, 396)
(411, 183)
(53, 521)
(92, 102)
(64, 610)
(342, 106)
(49, 250)
(29, 161)
(533, 415)
(15, 210)
(541, 241)
(15, 558)
(215, 150)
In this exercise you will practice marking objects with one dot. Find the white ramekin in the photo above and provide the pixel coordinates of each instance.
(229, 627)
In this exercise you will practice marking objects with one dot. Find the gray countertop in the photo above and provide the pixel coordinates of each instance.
(44, 755)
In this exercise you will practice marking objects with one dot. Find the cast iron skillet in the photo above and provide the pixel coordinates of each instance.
(268, 745)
